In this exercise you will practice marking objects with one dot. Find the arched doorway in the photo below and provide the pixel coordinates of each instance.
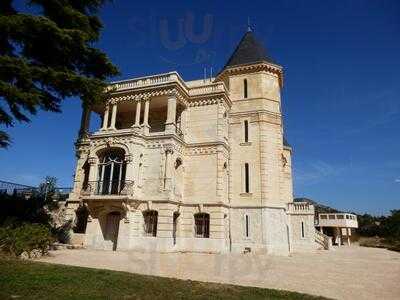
(82, 214)
(112, 228)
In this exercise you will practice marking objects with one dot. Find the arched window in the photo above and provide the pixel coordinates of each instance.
(150, 222)
(202, 225)
(245, 88)
(112, 170)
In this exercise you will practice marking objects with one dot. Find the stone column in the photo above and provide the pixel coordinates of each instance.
(170, 124)
(348, 236)
(168, 168)
(92, 174)
(146, 126)
(129, 176)
(113, 116)
(105, 118)
(85, 121)
(137, 116)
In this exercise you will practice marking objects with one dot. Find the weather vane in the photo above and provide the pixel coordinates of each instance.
(248, 25)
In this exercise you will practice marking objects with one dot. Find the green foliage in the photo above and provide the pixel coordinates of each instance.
(391, 225)
(369, 226)
(25, 238)
(47, 190)
(47, 57)
(383, 232)
(16, 209)
(388, 227)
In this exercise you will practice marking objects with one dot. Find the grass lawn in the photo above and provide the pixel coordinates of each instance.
(35, 280)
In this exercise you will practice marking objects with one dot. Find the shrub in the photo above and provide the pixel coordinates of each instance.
(25, 238)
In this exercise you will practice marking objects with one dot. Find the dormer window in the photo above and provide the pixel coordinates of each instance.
(245, 88)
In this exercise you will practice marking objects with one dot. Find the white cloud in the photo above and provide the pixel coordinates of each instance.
(397, 180)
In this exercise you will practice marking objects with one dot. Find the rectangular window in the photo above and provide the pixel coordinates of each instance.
(302, 229)
(150, 222)
(202, 225)
(247, 226)
(245, 88)
(246, 178)
(246, 131)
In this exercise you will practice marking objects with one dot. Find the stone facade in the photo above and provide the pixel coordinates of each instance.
(191, 166)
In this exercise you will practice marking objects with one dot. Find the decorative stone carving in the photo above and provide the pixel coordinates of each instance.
(128, 188)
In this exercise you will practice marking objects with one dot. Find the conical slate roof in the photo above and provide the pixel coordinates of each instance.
(248, 51)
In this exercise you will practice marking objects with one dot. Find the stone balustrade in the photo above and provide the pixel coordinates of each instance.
(171, 77)
(207, 89)
(146, 81)
(323, 240)
(300, 208)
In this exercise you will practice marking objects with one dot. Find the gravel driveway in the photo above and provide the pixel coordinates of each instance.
(344, 273)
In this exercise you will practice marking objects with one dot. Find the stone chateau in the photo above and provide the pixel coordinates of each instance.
(198, 165)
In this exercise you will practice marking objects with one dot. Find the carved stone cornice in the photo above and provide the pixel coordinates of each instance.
(142, 95)
(207, 100)
(251, 68)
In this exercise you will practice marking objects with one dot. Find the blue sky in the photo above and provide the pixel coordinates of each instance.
(341, 96)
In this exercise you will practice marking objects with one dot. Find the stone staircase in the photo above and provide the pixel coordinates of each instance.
(323, 240)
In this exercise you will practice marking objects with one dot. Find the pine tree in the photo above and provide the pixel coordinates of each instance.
(47, 57)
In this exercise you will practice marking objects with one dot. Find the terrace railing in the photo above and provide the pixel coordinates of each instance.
(105, 188)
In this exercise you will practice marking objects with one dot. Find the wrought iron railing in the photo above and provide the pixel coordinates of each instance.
(109, 187)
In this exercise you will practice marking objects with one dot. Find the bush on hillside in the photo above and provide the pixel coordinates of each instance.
(26, 238)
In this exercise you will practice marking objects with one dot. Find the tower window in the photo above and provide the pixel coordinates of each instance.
(246, 131)
(302, 230)
(245, 88)
(150, 222)
(247, 226)
(202, 225)
(246, 178)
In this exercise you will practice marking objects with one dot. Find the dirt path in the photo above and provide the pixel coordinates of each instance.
(345, 273)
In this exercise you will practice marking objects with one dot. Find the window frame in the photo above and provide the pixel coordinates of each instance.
(245, 89)
(150, 223)
(247, 189)
(247, 225)
(202, 225)
(246, 131)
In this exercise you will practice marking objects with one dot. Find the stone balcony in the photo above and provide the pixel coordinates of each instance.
(300, 208)
(337, 220)
(168, 78)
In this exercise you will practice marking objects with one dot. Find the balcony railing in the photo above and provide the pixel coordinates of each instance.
(207, 89)
(300, 208)
(146, 81)
(337, 220)
(172, 77)
(104, 188)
